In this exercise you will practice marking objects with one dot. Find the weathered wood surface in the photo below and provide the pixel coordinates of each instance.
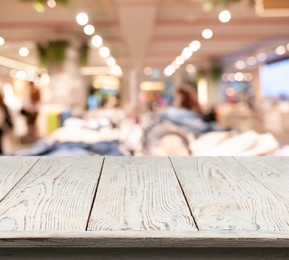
(223, 195)
(12, 170)
(55, 195)
(273, 172)
(139, 193)
(154, 239)
(144, 202)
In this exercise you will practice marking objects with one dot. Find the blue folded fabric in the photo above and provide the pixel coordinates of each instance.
(42, 148)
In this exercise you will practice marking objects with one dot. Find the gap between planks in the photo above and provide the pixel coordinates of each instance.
(17, 182)
(94, 196)
(184, 194)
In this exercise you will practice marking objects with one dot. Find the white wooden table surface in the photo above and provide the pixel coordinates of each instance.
(144, 202)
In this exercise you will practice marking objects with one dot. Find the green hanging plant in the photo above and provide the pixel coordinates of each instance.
(53, 53)
(222, 3)
(39, 5)
(216, 73)
(83, 53)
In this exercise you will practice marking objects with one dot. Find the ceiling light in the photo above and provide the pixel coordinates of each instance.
(169, 71)
(248, 77)
(51, 3)
(176, 65)
(20, 75)
(187, 53)
(195, 46)
(225, 77)
(89, 29)
(23, 52)
(148, 71)
(207, 34)
(116, 71)
(110, 61)
(239, 76)
(231, 77)
(96, 41)
(104, 52)
(262, 57)
(180, 60)
(82, 18)
(251, 61)
(2, 41)
(280, 50)
(191, 69)
(240, 64)
(225, 16)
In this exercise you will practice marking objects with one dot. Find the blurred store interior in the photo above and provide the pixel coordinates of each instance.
(144, 77)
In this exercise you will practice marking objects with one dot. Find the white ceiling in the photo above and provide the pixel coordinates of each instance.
(143, 33)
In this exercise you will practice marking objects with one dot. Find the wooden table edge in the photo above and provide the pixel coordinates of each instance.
(142, 239)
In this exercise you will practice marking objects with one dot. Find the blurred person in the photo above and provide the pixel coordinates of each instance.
(186, 111)
(31, 107)
(6, 123)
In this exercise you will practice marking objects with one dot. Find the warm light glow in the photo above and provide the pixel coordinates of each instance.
(191, 69)
(195, 46)
(262, 57)
(251, 61)
(287, 47)
(51, 3)
(239, 76)
(148, 71)
(187, 53)
(231, 77)
(180, 60)
(20, 75)
(2, 41)
(240, 64)
(169, 71)
(280, 50)
(207, 34)
(152, 85)
(104, 52)
(44, 79)
(225, 16)
(225, 77)
(116, 71)
(248, 77)
(96, 41)
(203, 92)
(110, 61)
(106, 82)
(24, 52)
(89, 29)
(82, 18)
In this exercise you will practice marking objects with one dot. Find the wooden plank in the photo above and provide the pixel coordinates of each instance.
(273, 172)
(142, 239)
(12, 169)
(139, 193)
(222, 194)
(56, 194)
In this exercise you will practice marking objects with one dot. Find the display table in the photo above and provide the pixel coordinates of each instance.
(80, 205)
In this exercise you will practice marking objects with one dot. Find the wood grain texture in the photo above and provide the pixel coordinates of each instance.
(56, 194)
(222, 194)
(12, 169)
(142, 239)
(273, 172)
(139, 193)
